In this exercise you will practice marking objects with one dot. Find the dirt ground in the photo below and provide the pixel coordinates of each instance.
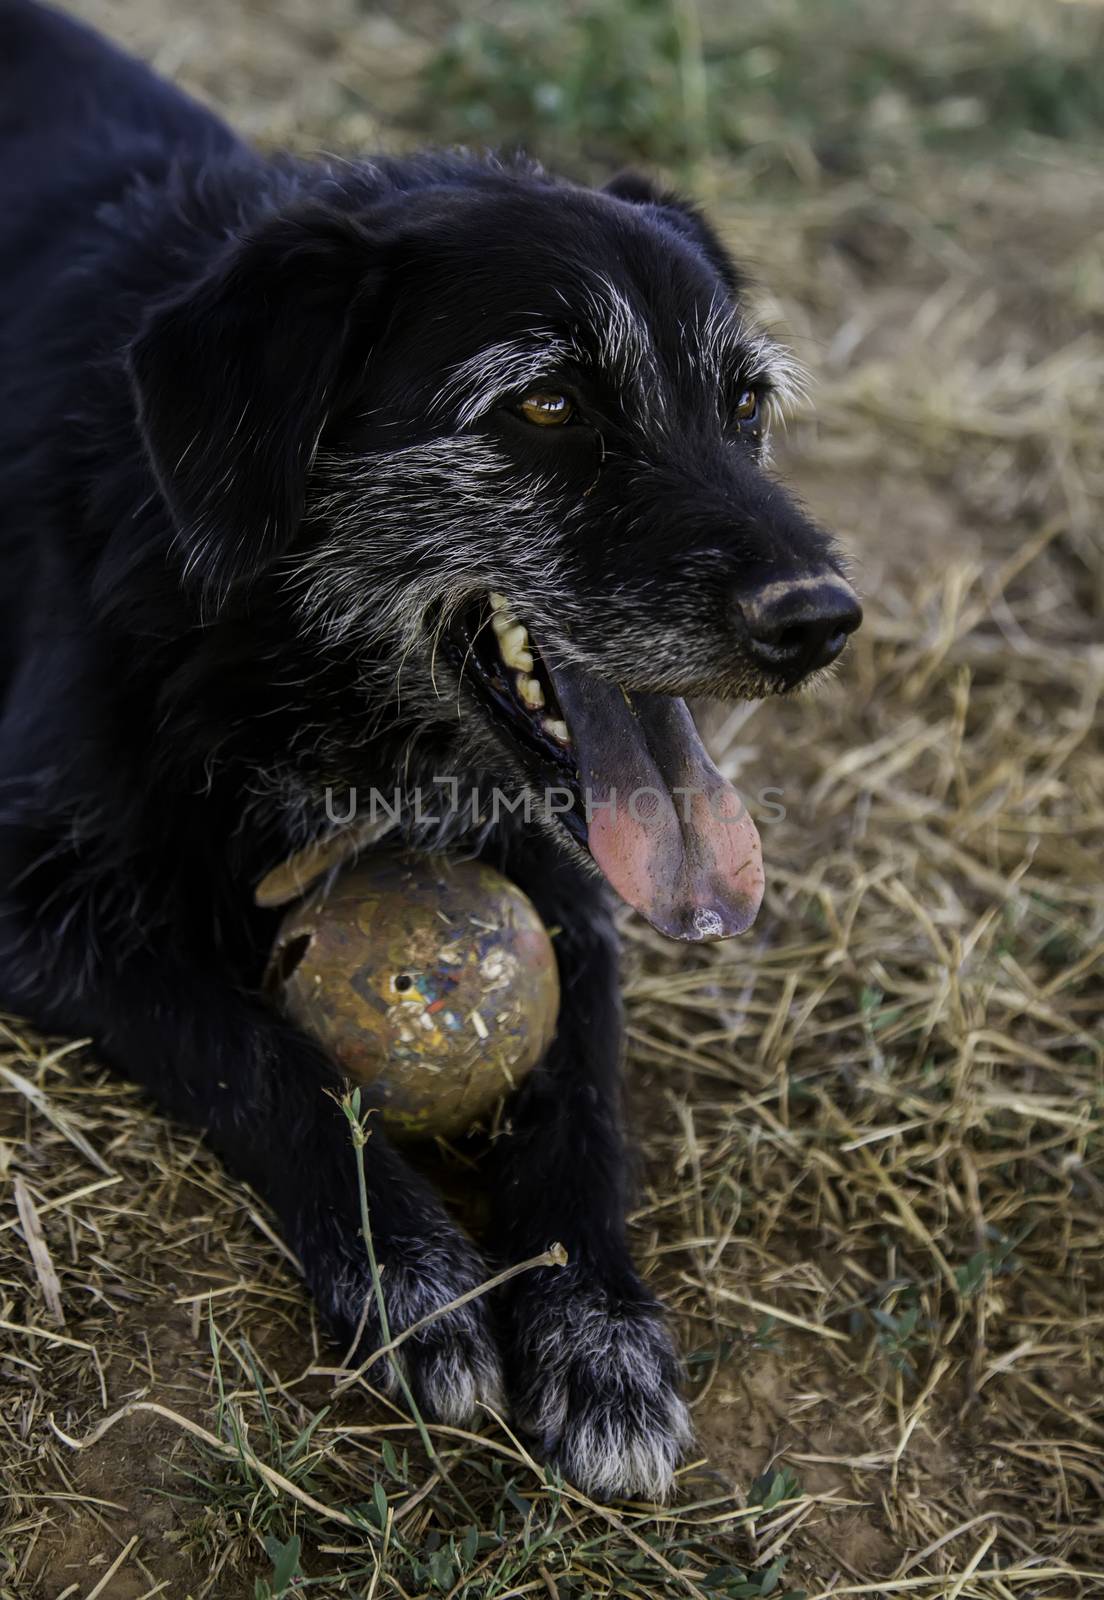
(871, 1180)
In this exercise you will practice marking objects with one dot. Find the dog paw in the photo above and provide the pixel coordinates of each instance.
(452, 1365)
(596, 1385)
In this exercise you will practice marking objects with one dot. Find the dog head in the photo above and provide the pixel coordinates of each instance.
(510, 435)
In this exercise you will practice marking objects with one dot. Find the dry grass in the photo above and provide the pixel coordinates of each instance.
(872, 1180)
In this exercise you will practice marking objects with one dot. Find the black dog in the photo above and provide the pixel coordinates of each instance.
(326, 475)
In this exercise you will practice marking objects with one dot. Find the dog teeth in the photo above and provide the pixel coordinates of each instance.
(529, 691)
(513, 639)
(513, 647)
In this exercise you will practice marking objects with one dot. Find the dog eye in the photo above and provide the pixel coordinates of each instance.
(747, 406)
(547, 410)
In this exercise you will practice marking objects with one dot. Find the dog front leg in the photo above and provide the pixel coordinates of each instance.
(592, 1372)
(266, 1097)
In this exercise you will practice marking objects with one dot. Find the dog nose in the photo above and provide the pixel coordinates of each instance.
(797, 626)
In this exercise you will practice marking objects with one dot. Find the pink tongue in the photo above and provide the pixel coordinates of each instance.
(670, 834)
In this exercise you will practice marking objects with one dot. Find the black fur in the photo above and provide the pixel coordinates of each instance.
(244, 496)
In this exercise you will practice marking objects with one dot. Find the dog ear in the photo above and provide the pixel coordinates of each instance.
(233, 383)
(684, 217)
